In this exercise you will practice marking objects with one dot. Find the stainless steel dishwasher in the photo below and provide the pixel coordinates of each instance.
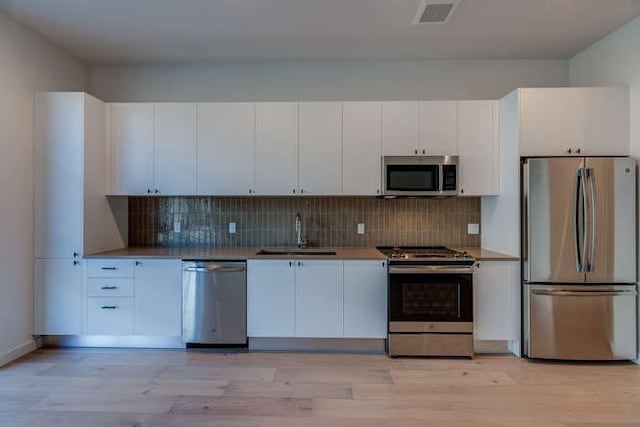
(214, 302)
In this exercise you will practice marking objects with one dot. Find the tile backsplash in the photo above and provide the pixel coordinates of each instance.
(326, 221)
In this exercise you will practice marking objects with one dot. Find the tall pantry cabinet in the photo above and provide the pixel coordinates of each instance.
(72, 216)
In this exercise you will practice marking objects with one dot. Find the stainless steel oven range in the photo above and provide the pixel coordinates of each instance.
(430, 301)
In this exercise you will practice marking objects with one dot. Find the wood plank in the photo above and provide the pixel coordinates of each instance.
(289, 389)
(99, 401)
(283, 407)
(322, 374)
(217, 373)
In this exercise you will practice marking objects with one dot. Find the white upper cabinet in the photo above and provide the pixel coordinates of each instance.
(573, 121)
(478, 148)
(320, 148)
(132, 148)
(153, 149)
(361, 158)
(438, 128)
(175, 149)
(400, 128)
(71, 214)
(58, 175)
(603, 121)
(276, 149)
(226, 135)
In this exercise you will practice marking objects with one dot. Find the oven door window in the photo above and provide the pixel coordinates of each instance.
(430, 298)
(413, 178)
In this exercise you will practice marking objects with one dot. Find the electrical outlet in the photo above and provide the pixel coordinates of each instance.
(473, 228)
(360, 228)
(176, 226)
(232, 228)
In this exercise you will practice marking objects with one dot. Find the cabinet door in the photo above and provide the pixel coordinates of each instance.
(547, 121)
(132, 148)
(158, 300)
(603, 115)
(59, 297)
(400, 128)
(361, 158)
(58, 175)
(365, 299)
(271, 298)
(175, 149)
(319, 299)
(276, 162)
(478, 150)
(439, 128)
(320, 148)
(226, 134)
(497, 314)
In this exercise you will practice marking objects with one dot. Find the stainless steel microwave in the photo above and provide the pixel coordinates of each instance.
(419, 176)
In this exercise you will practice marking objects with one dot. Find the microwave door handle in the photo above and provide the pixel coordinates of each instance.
(440, 179)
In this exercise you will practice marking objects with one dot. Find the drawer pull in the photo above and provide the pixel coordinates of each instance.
(108, 268)
(109, 288)
(109, 307)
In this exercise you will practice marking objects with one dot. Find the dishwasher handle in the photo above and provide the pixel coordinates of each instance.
(215, 268)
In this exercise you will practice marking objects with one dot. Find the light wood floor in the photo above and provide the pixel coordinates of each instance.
(102, 387)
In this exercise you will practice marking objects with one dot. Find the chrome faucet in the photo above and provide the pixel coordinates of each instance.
(299, 242)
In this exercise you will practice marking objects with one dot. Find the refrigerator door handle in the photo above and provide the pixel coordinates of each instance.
(585, 293)
(577, 206)
(590, 174)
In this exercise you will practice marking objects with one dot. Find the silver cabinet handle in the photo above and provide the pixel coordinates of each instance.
(109, 307)
(109, 288)
(585, 293)
(109, 268)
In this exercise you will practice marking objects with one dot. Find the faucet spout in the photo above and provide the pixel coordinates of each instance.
(299, 242)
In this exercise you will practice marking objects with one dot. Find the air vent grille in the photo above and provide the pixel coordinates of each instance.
(434, 12)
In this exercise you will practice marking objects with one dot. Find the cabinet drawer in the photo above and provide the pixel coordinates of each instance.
(109, 287)
(110, 316)
(110, 268)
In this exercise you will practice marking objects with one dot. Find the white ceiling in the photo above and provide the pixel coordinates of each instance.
(139, 31)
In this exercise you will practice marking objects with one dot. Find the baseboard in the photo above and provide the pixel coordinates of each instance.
(490, 346)
(636, 361)
(17, 352)
(320, 345)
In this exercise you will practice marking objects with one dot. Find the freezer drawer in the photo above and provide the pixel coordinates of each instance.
(582, 322)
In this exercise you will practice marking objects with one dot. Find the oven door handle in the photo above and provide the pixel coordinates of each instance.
(431, 269)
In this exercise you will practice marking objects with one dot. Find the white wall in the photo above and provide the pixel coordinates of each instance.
(27, 64)
(324, 80)
(615, 60)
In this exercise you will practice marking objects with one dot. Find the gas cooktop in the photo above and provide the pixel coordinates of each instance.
(423, 254)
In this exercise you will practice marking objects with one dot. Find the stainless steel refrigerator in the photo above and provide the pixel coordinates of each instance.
(579, 258)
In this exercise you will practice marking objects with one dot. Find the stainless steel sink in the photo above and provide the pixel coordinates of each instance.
(297, 252)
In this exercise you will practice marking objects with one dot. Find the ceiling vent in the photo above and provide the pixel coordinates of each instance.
(434, 11)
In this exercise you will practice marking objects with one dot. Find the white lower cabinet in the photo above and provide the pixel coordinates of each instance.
(110, 315)
(316, 299)
(365, 299)
(271, 298)
(158, 301)
(319, 303)
(128, 297)
(497, 301)
(59, 297)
